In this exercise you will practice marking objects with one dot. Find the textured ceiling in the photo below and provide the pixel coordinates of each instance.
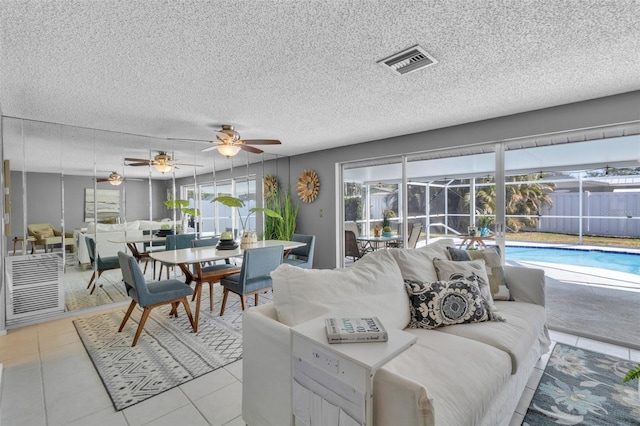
(305, 72)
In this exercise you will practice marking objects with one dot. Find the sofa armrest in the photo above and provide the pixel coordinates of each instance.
(266, 368)
(526, 284)
(400, 400)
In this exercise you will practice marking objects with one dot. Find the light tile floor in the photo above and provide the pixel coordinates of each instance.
(48, 379)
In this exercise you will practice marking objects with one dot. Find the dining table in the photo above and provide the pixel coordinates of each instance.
(183, 258)
(372, 243)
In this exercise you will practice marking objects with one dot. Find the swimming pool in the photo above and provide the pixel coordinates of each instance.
(621, 262)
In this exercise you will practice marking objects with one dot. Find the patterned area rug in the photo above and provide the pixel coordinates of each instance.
(581, 387)
(168, 353)
(110, 289)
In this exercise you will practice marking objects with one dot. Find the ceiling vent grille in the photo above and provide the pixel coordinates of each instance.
(409, 60)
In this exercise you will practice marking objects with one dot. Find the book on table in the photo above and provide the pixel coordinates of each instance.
(355, 330)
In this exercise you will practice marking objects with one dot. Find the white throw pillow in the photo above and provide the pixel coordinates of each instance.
(373, 286)
(416, 265)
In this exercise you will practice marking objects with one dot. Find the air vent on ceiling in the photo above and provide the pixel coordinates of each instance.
(409, 60)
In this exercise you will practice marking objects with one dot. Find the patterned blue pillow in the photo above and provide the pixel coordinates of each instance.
(444, 303)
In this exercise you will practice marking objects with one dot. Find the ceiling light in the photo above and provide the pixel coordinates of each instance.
(115, 182)
(162, 167)
(228, 150)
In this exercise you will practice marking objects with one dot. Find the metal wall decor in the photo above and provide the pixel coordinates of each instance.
(308, 185)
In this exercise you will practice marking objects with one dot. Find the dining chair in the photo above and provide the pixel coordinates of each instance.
(351, 247)
(210, 273)
(254, 276)
(98, 263)
(398, 244)
(302, 257)
(152, 294)
(175, 242)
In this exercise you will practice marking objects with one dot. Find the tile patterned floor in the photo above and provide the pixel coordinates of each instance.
(48, 379)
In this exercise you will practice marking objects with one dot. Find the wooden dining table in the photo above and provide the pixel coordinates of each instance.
(183, 258)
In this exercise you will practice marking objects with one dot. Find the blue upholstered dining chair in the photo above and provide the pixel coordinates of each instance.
(302, 256)
(152, 294)
(176, 242)
(210, 273)
(98, 263)
(254, 277)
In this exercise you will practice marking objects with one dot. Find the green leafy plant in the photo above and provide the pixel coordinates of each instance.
(634, 373)
(386, 223)
(183, 206)
(282, 203)
(484, 220)
(230, 201)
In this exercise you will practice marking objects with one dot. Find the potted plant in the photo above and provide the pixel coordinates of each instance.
(249, 238)
(188, 214)
(484, 220)
(386, 222)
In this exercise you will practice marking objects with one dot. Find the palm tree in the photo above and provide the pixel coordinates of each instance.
(522, 199)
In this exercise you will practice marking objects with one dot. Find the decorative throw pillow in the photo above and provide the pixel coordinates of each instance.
(449, 270)
(444, 303)
(45, 233)
(458, 254)
(495, 271)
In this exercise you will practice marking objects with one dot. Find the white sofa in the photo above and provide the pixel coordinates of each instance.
(466, 374)
(103, 232)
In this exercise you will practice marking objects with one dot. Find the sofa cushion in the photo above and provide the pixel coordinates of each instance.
(44, 233)
(516, 336)
(495, 271)
(461, 377)
(417, 264)
(372, 286)
(473, 269)
(442, 303)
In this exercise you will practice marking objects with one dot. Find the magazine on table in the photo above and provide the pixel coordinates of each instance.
(355, 330)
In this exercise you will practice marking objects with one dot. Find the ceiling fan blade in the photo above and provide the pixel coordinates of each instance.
(102, 180)
(140, 164)
(137, 159)
(262, 141)
(192, 140)
(185, 164)
(250, 148)
(210, 148)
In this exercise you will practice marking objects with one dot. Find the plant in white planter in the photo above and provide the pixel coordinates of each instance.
(249, 238)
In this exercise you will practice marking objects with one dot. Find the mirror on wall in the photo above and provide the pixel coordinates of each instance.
(63, 176)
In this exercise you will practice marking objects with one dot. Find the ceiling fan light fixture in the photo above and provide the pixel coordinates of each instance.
(162, 167)
(228, 150)
(115, 182)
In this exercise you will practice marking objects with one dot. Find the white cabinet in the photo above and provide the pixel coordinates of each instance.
(333, 383)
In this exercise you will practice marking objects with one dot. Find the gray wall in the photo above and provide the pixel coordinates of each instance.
(44, 195)
(598, 112)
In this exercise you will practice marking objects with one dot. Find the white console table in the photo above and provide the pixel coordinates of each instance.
(333, 383)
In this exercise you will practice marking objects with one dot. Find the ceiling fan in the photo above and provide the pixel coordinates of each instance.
(114, 179)
(229, 142)
(162, 162)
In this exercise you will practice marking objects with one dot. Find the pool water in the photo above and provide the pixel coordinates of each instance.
(621, 262)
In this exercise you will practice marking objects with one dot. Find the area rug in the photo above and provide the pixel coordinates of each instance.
(110, 289)
(168, 353)
(581, 387)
